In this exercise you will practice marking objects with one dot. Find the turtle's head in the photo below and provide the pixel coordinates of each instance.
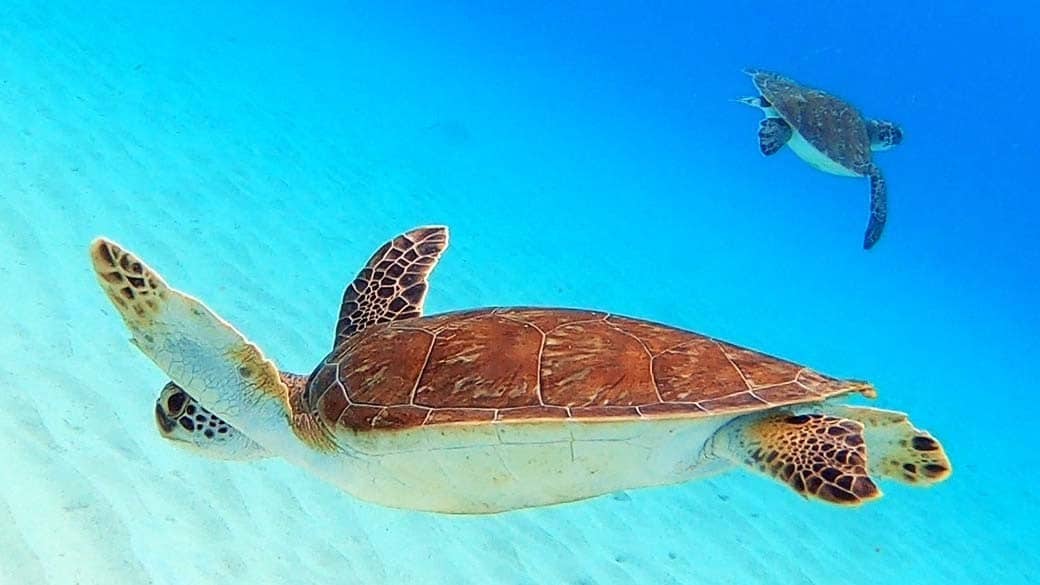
(884, 134)
(184, 421)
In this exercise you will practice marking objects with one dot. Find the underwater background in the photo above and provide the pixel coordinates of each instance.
(588, 155)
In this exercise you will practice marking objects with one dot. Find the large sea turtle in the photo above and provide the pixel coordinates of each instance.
(828, 133)
(497, 409)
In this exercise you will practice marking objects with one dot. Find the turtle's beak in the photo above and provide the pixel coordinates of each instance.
(164, 423)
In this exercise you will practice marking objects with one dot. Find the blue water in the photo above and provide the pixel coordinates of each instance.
(583, 155)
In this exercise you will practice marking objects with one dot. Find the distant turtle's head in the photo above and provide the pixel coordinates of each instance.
(184, 421)
(884, 134)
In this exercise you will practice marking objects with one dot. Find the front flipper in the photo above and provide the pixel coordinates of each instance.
(878, 208)
(206, 356)
(393, 284)
(818, 456)
(759, 102)
(773, 134)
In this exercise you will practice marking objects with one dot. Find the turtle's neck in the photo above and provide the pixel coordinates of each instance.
(303, 422)
(296, 383)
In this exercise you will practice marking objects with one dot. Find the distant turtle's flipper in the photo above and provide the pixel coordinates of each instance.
(773, 134)
(878, 208)
(898, 451)
(819, 456)
(755, 102)
(392, 285)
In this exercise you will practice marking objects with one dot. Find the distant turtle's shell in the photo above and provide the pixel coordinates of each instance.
(830, 124)
(491, 365)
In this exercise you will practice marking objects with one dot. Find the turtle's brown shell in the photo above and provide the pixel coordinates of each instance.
(509, 364)
(829, 123)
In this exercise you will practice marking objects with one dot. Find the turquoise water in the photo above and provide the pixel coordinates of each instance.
(257, 153)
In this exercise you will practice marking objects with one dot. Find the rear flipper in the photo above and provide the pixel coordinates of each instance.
(825, 455)
(818, 456)
(898, 450)
(773, 134)
(878, 208)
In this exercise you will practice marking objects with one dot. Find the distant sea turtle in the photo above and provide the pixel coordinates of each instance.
(490, 410)
(826, 132)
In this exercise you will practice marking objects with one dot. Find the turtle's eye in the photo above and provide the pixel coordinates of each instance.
(176, 402)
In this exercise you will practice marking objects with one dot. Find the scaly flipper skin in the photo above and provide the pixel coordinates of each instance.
(878, 208)
(773, 134)
(393, 284)
(897, 450)
(819, 456)
(201, 352)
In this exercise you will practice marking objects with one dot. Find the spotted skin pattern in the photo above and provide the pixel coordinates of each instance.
(826, 456)
(816, 455)
(393, 284)
(177, 409)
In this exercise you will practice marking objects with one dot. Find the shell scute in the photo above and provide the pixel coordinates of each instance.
(756, 371)
(592, 363)
(696, 370)
(490, 363)
(531, 412)
(372, 375)
(547, 320)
